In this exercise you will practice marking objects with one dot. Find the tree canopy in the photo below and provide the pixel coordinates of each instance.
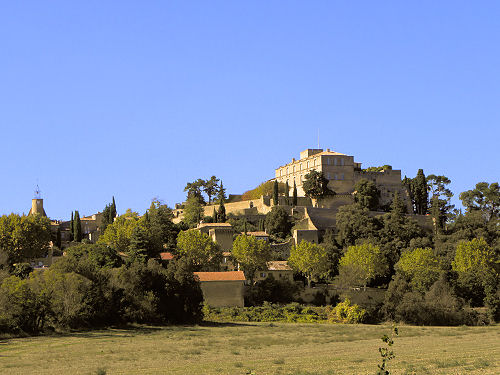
(366, 261)
(202, 253)
(315, 185)
(366, 194)
(310, 259)
(278, 222)
(251, 253)
(485, 198)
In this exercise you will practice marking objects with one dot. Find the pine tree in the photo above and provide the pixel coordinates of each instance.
(287, 193)
(294, 198)
(221, 193)
(72, 227)
(275, 193)
(139, 247)
(77, 227)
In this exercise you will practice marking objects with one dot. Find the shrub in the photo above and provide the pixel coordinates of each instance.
(344, 312)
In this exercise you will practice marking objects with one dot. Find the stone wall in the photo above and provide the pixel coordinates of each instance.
(223, 293)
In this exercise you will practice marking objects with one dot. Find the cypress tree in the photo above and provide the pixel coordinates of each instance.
(275, 193)
(58, 237)
(113, 210)
(214, 215)
(287, 193)
(245, 226)
(221, 217)
(294, 198)
(77, 227)
(139, 247)
(420, 193)
(72, 227)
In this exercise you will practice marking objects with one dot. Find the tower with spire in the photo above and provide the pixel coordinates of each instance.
(37, 204)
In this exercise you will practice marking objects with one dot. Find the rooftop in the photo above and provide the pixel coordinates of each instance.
(202, 225)
(221, 276)
(257, 234)
(166, 256)
(278, 265)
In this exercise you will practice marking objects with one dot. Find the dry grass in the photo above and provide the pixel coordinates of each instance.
(279, 348)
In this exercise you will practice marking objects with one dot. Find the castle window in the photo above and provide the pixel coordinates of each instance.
(300, 166)
(328, 161)
(328, 175)
(307, 165)
(334, 161)
(342, 176)
(314, 162)
(342, 162)
(335, 177)
(286, 170)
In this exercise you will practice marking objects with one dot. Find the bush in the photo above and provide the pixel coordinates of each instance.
(344, 312)
(271, 290)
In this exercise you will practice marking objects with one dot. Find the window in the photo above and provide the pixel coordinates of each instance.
(342, 162)
(342, 176)
(262, 274)
(307, 165)
(328, 175)
(314, 162)
(334, 161)
(300, 167)
(328, 161)
(286, 170)
(335, 177)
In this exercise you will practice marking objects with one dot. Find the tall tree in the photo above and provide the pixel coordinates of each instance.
(194, 189)
(140, 246)
(221, 193)
(159, 227)
(221, 215)
(315, 185)
(366, 261)
(409, 184)
(119, 233)
(275, 193)
(420, 192)
(193, 211)
(113, 210)
(485, 197)
(294, 197)
(214, 216)
(210, 187)
(252, 254)
(277, 222)
(287, 193)
(310, 259)
(202, 253)
(440, 206)
(366, 194)
(72, 227)
(420, 267)
(77, 227)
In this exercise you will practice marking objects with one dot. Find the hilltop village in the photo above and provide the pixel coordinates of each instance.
(321, 231)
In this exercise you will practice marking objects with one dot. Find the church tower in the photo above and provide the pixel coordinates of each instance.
(37, 204)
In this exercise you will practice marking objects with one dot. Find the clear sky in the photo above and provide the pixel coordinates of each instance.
(135, 98)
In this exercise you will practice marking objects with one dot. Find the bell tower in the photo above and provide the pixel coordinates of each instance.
(37, 204)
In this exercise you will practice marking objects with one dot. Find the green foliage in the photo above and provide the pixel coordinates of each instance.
(194, 190)
(366, 194)
(440, 206)
(287, 193)
(251, 253)
(420, 193)
(386, 353)
(333, 251)
(275, 193)
(474, 256)
(352, 223)
(265, 188)
(278, 222)
(77, 227)
(221, 193)
(198, 248)
(221, 214)
(315, 185)
(24, 237)
(310, 259)
(119, 233)
(159, 227)
(271, 290)
(366, 261)
(485, 198)
(378, 169)
(211, 187)
(140, 248)
(420, 267)
(193, 211)
(344, 312)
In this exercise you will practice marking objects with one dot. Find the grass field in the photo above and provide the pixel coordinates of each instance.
(263, 348)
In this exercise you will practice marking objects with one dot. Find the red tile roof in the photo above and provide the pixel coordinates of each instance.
(166, 256)
(221, 276)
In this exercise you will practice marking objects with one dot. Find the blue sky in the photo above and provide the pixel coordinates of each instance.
(134, 99)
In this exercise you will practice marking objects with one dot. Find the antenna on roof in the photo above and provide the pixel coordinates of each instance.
(37, 192)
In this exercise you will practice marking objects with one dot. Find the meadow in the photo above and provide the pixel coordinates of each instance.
(254, 348)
